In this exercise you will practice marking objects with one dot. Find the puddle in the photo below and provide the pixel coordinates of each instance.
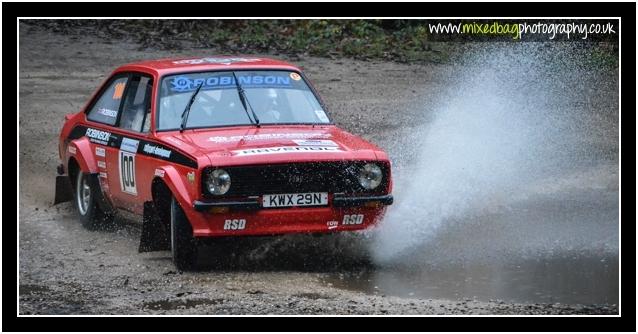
(179, 304)
(33, 289)
(311, 295)
(565, 280)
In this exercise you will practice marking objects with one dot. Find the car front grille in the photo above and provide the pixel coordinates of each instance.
(331, 177)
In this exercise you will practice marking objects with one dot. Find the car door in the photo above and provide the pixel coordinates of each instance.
(102, 116)
(132, 169)
(122, 113)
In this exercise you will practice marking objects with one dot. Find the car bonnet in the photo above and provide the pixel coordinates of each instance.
(275, 144)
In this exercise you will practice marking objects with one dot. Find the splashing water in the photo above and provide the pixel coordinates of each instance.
(517, 140)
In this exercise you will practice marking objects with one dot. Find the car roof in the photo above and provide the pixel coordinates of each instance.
(212, 63)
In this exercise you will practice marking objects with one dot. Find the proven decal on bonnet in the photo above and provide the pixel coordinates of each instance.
(287, 149)
(269, 136)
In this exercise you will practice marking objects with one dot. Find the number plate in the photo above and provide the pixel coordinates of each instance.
(288, 200)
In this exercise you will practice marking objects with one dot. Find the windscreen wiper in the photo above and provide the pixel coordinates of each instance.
(187, 109)
(245, 102)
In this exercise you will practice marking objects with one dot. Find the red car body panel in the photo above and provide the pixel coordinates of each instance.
(195, 149)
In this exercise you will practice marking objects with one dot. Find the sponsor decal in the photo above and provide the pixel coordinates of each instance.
(72, 149)
(295, 76)
(321, 115)
(332, 224)
(115, 140)
(129, 145)
(234, 224)
(214, 60)
(185, 84)
(159, 172)
(103, 175)
(98, 136)
(107, 112)
(101, 164)
(314, 142)
(100, 152)
(287, 149)
(127, 173)
(156, 150)
(269, 136)
(352, 219)
(119, 90)
(190, 176)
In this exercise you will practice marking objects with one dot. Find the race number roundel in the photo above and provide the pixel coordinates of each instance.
(127, 172)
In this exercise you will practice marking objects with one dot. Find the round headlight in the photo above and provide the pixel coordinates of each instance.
(370, 176)
(218, 182)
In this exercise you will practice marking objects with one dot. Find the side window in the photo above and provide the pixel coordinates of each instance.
(106, 108)
(137, 104)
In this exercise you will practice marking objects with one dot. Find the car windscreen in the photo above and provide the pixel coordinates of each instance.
(276, 97)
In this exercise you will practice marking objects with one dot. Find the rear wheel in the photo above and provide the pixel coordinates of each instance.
(91, 215)
(183, 244)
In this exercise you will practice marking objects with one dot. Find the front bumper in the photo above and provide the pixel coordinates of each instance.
(252, 203)
(247, 217)
(343, 201)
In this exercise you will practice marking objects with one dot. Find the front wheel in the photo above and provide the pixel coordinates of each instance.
(91, 215)
(183, 244)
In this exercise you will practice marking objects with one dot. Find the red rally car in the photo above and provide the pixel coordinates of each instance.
(221, 146)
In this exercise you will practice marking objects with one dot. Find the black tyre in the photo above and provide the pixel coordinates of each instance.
(86, 194)
(183, 244)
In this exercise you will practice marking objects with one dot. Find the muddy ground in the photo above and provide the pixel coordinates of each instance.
(65, 269)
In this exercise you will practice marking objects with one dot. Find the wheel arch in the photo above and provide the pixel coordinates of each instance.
(168, 176)
(74, 167)
(83, 155)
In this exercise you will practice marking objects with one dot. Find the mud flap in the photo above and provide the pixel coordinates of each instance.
(155, 234)
(63, 189)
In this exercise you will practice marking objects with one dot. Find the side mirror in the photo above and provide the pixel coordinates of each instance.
(68, 116)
